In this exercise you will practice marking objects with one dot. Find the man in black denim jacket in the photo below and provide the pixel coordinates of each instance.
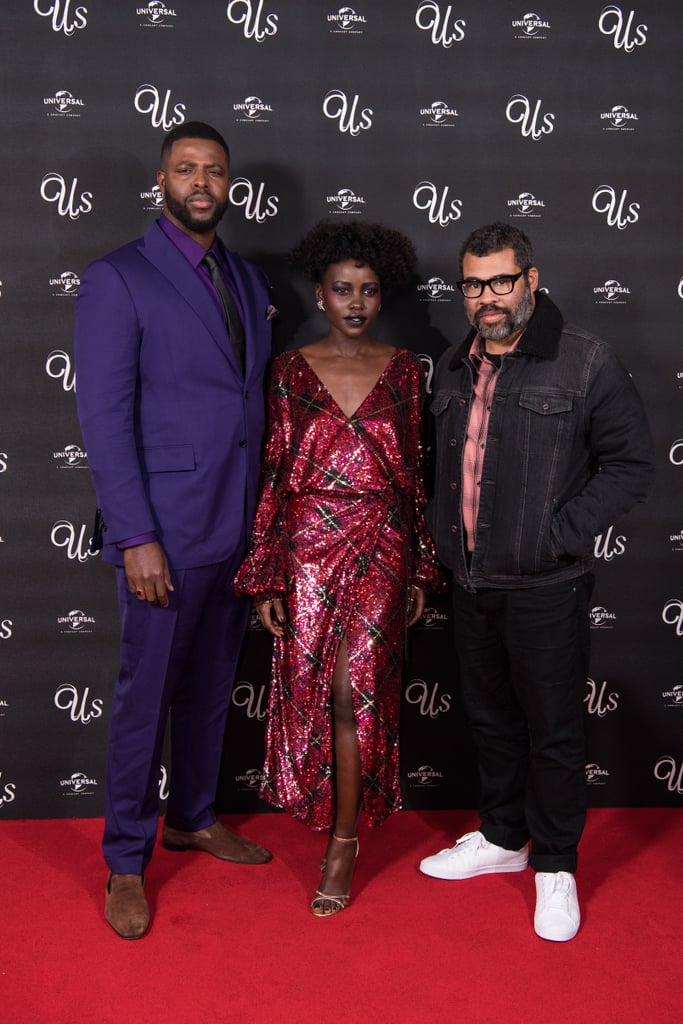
(542, 442)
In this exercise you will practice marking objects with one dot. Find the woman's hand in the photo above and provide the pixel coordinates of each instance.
(272, 615)
(417, 599)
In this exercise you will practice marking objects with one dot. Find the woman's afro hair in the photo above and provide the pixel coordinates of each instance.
(390, 253)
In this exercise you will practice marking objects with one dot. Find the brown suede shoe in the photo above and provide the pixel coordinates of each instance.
(218, 841)
(125, 906)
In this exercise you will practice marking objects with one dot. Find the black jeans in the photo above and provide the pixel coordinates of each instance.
(523, 657)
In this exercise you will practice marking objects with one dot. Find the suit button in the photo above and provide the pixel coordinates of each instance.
(453, 485)
(243, 444)
(453, 443)
(454, 528)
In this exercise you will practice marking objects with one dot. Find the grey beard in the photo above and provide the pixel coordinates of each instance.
(512, 321)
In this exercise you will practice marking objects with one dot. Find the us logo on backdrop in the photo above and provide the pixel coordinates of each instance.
(669, 770)
(445, 30)
(626, 34)
(598, 701)
(256, 24)
(66, 16)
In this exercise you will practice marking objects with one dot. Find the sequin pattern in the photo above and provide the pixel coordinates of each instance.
(339, 532)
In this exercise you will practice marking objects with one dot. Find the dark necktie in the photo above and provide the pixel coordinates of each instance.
(233, 320)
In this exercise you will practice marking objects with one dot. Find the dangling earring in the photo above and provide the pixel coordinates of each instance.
(321, 305)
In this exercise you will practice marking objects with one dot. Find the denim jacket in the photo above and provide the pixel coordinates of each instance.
(568, 451)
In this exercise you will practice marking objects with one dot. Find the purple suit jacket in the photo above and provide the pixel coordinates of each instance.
(172, 430)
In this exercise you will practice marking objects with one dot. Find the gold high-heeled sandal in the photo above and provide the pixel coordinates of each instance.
(338, 901)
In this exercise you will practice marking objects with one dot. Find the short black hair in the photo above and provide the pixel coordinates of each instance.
(192, 130)
(495, 237)
(389, 253)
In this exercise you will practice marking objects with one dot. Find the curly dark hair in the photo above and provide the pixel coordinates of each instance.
(389, 253)
(495, 237)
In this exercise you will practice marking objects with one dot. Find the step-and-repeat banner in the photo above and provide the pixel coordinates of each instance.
(435, 118)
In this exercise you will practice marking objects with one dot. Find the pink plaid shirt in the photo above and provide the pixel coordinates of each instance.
(477, 431)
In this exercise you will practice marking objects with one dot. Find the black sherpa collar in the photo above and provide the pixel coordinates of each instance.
(540, 337)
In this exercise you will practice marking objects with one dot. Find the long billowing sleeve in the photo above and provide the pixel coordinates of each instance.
(265, 569)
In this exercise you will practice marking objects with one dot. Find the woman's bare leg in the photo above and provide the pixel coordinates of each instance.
(340, 858)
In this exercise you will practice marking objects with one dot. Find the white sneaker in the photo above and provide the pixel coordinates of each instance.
(473, 855)
(557, 914)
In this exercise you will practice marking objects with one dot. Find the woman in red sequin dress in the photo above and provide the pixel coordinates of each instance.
(339, 549)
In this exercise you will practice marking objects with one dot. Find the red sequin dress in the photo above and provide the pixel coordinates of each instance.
(340, 533)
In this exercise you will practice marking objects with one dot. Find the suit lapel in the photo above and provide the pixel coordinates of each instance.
(160, 251)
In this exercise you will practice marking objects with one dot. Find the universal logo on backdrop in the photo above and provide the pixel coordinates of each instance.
(674, 696)
(436, 290)
(152, 198)
(530, 26)
(63, 104)
(526, 205)
(346, 22)
(252, 110)
(595, 775)
(78, 784)
(250, 780)
(345, 200)
(71, 456)
(67, 283)
(611, 293)
(156, 14)
(440, 115)
(76, 623)
(618, 119)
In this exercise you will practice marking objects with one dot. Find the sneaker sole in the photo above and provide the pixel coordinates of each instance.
(496, 869)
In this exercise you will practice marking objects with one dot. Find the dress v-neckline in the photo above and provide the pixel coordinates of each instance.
(331, 397)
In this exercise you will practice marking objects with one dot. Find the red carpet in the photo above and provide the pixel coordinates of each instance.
(237, 944)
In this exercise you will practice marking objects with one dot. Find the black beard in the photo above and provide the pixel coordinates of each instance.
(513, 320)
(184, 214)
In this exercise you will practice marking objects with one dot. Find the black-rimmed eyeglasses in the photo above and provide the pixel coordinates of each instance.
(501, 284)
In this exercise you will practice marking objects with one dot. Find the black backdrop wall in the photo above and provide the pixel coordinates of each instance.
(434, 117)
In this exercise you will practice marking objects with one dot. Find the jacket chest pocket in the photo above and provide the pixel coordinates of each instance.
(545, 422)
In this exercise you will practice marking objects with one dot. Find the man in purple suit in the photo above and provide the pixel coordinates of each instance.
(172, 342)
